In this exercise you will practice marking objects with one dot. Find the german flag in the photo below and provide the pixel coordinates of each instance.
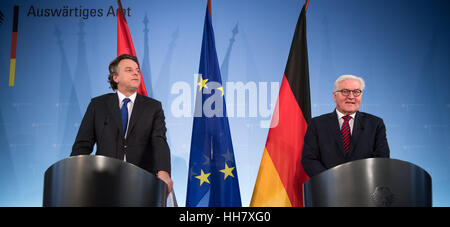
(281, 175)
(12, 65)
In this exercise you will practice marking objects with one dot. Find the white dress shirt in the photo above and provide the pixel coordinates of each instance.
(341, 120)
(130, 105)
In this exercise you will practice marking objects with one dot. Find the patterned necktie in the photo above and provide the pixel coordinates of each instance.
(124, 114)
(345, 133)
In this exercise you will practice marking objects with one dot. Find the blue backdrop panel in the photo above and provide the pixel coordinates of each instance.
(401, 48)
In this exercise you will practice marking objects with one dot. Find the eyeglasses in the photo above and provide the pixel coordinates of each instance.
(346, 92)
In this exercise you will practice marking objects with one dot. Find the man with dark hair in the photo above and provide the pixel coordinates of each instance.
(113, 68)
(126, 125)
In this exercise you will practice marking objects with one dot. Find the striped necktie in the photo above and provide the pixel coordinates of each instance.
(345, 133)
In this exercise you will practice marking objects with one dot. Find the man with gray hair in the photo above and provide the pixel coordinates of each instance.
(345, 134)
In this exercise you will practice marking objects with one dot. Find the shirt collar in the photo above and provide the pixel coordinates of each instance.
(122, 96)
(340, 115)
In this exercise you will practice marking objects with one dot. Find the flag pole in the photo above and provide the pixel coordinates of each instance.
(121, 10)
(209, 8)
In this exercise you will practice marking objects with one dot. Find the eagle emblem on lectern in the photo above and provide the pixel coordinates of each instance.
(382, 196)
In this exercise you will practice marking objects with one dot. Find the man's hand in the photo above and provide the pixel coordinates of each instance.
(164, 176)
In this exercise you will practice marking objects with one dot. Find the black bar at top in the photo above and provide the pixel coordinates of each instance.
(16, 18)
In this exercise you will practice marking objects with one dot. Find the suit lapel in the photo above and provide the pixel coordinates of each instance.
(336, 131)
(113, 107)
(356, 131)
(138, 107)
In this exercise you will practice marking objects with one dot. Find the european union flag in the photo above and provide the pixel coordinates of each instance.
(213, 179)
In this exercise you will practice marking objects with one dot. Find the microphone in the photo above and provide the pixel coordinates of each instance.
(361, 125)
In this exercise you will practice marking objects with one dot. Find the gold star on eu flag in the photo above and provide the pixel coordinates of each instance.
(203, 177)
(221, 89)
(227, 171)
(202, 83)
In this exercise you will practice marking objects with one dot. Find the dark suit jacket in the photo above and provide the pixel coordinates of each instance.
(324, 149)
(145, 145)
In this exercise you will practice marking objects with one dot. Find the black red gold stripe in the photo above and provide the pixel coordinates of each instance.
(12, 66)
(281, 176)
